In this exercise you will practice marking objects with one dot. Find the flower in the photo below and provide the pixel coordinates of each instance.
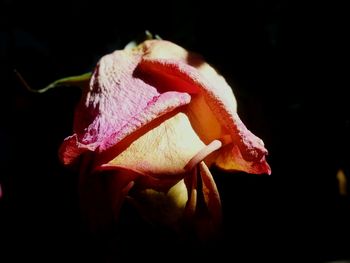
(151, 121)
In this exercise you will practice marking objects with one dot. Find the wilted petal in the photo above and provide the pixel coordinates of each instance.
(151, 120)
(230, 158)
(159, 154)
(213, 108)
(132, 88)
(116, 104)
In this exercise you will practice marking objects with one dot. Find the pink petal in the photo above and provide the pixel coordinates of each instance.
(116, 104)
(179, 66)
(130, 89)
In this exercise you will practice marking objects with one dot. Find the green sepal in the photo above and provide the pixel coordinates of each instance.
(77, 81)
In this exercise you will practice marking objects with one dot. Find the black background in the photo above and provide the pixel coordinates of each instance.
(286, 62)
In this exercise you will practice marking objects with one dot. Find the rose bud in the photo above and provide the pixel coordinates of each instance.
(151, 120)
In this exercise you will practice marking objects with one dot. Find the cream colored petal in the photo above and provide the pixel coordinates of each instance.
(162, 151)
(213, 108)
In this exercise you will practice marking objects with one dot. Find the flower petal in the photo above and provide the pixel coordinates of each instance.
(116, 104)
(162, 152)
(213, 108)
(230, 158)
(132, 88)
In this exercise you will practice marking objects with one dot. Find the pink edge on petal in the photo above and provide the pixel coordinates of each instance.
(118, 103)
(130, 89)
(220, 99)
(71, 148)
(231, 159)
(158, 107)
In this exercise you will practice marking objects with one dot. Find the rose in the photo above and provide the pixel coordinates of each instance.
(152, 119)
